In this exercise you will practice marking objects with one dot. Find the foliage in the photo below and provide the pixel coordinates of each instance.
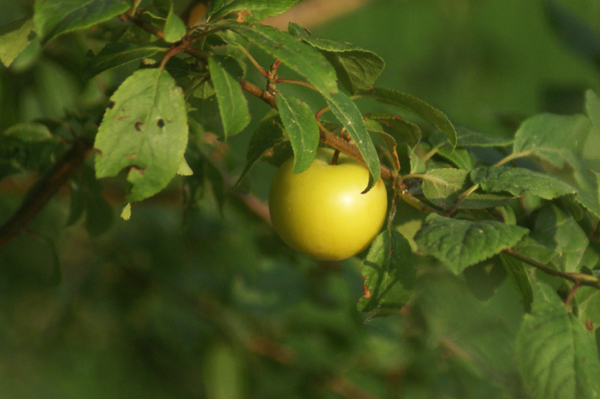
(217, 306)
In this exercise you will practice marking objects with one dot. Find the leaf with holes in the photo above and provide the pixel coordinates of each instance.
(57, 17)
(144, 130)
(233, 106)
(462, 243)
(390, 273)
(556, 356)
(302, 129)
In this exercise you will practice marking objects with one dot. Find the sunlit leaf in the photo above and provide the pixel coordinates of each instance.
(174, 27)
(144, 130)
(14, 38)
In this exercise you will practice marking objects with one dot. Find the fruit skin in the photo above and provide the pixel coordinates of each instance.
(321, 211)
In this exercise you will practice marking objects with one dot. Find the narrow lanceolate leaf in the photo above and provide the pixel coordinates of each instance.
(518, 181)
(390, 273)
(556, 356)
(14, 38)
(56, 17)
(302, 129)
(174, 27)
(267, 135)
(144, 130)
(516, 272)
(444, 188)
(348, 114)
(462, 243)
(258, 9)
(298, 56)
(554, 138)
(232, 103)
(117, 54)
(419, 107)
(356, 68)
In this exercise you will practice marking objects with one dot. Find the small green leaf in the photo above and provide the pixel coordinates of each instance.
(444, 187)
(356, 68)
(469, 138)
(588, 300)
(14, 38)
(145, 130)
(401, 130)
(174, 27)
(348, 114)
(390, 273)
(554, 138)
(184, 169)
(516, 272)
(460, 157)
(232, 103)
(419, 107)
(462, 243)
(298, 56)
(592, 104)
(126, 212)
(557, 357)
(56, 17)
(518, 181)
(559, 235)
(117, 54)
(259, 9)
(269, 132)
(589, 197)
(302, 129)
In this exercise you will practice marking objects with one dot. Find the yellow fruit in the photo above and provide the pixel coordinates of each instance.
(321, 211)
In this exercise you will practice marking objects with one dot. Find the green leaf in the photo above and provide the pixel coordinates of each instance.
(557, 357)
(232, 103)
(390, 272)
(460, 157)
(117, 54)
(14, 38)
(56, 17)
(402, 131)
(259, 9)
(144, 130)
(269, 132)
(588, 301)
(469, 138)
(444, 187)
(416, 163)
(174, 27)
(516, 272)
(554, 138)
(28, 145)
(592, 105)
(559, 237)
(302, 129)
(348, 114)
(298, 56)
(421, 108)
(462, 243)
(519, 181)
(356, 68)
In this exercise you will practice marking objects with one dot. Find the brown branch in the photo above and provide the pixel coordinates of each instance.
(45, 189)
(578, 278)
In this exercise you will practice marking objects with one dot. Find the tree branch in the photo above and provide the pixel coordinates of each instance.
(45, 189)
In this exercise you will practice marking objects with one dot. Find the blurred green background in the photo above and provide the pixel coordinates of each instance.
(217, 307)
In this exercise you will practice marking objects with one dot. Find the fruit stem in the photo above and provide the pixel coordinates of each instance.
(336, 155)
